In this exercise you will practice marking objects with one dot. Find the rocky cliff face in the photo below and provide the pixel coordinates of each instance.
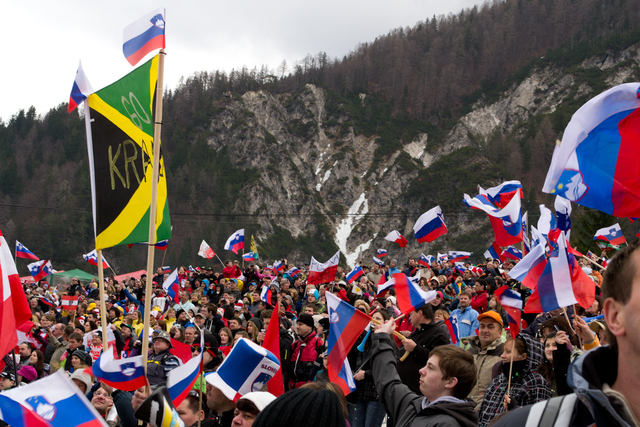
(317, 169)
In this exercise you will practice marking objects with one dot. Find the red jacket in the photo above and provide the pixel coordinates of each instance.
(479, 302)
(232, 272)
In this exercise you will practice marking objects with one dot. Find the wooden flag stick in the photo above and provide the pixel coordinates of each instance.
(398, 335)
(592, 261)
(220, 260)
(511, 366)
(157, 130)
(103, 304)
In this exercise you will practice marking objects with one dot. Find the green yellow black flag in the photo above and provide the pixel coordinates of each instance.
(120, 142)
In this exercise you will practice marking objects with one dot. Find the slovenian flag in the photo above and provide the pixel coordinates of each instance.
(409, 296)
(293, 272)
(396, 237)
(455, 256)
(494, 252)
(278, 266)
(180, 380)
(248, 257)
(442, 257)
(595, 164)
(172, 286)
(247, 368)
(354, 274)
(54, 399)
(81, 89)
(144, 36)
(381, 253)
(347, 323)
(502, 194)
(266, 294)
(511, 253)
(166, 269)
(235, 242)
(92, 258)
(378, 261)
(122, 374)
(511, 301)
(23, 252)
(529, 270)
(162, 245)
(612, 234)
(426, 260)
(506, 221)
(430, 226)
(40, 269)
(452, 326)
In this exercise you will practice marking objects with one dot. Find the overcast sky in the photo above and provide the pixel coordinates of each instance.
(42, 41)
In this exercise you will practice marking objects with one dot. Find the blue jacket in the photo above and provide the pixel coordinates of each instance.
(467, 321)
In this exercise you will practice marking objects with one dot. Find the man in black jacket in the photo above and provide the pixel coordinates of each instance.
(444, 382)
(425, 337)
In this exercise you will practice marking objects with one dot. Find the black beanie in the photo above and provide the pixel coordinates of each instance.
(306, 319)
(303, 407)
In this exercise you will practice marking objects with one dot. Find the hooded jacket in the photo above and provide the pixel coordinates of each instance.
(405, 406)
(593, 400)
(485, 360)
(527, 386)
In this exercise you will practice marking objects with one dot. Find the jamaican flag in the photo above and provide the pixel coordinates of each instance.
(120, 143)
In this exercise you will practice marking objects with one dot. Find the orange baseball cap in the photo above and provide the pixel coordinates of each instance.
(491, 314)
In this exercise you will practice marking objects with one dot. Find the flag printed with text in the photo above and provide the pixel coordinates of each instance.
(347, 324)
(320, 273)
(23, 252)
(144, 36)
(205, 251)
(120, 144)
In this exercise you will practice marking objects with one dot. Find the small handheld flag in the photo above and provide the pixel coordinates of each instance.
(381, 253)
(378, 261)
(455, 256)
(69, 302)
(172, 286)
(325, 272)
(396, 237)
(354, 274)
(206, 251)
(40, 269)
(511, 253)
(23, 252)
(426, 260)
(158, 410)
(452, 326)
(511, 301)
(180, 380)
(248, 257)
(124, 374)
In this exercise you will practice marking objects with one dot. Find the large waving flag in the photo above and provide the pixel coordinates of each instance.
(530, 268)
(555, 289)
(172, 286)
(23, 252)
(205, 251)
(347, 324)
(502, 194)
(354, 274)
(506, 221)
(180, 380)
(14, 309)
(247, 368)
(512, 253)
(120, 144)
(325, 272)
(235, 242)
(596, 163)
(409, 296)
(92, 258)
(272, 343)
(430, 226)
(611, 234)
(56, 400)
(396, 237)
(17, 415)
(123, 374)
(426, 260)
(40, 269)
(144, 36)
(455, 256)
(511, 301)
(494, 252)
(80, 90)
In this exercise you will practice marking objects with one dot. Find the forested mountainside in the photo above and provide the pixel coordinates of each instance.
(334, 154)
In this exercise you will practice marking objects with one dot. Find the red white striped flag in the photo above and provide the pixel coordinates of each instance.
(69, 302)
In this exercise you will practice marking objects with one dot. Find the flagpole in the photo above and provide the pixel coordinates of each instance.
(157, 129)
(103, 304)
(592, 261)
(220, 260)
(15, 256)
